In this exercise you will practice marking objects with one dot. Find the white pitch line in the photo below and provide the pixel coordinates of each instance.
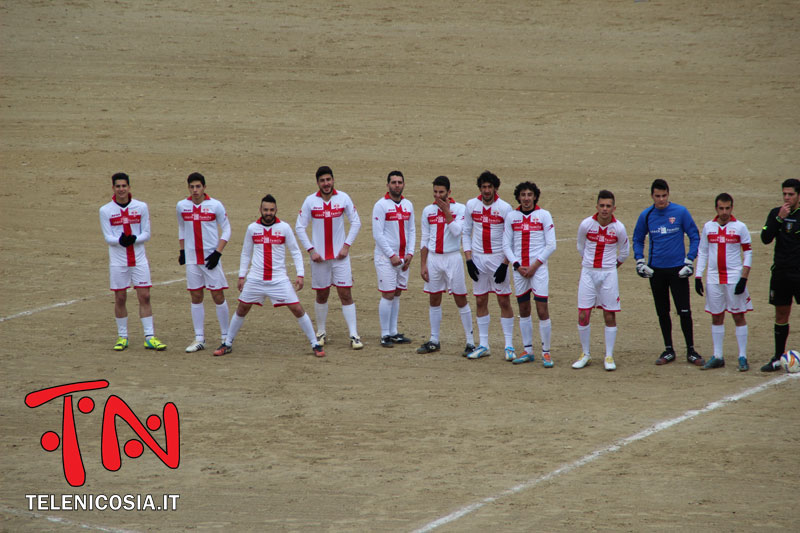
(616, 446)
(70, 302)
(64, 521)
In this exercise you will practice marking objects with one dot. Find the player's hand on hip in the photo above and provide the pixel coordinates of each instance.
(698, 286)
(643, 270)
(687, 270)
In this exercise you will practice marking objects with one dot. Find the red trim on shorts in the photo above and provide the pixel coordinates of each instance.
(250, 303)
(436, 292)
(397, 289)
(726, 311)
(220, 289)
(493, 292)
(282, 305)
(599, 307)
(117, 290)
(210, 290)
(142, 286)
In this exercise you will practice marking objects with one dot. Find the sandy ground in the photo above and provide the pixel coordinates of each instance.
(576, 96)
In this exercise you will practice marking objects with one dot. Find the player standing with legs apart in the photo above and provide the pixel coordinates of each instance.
(325, 210)
(783, 226)
(723, 242)
(126, 227)
(603, 243)
(264, 254)
(441, 265)
(395, 236)
(200, 219)
(484, 224)
(529, 240)
(669, 267)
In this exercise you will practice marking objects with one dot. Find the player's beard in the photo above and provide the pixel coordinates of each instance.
(268, 222)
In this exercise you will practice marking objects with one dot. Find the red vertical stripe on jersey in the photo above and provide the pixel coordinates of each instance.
(440, 226)
(126, 229)
(401, 226)
(487, 230)
(197, 227)
(267, 243)
(722, 256)
(526, 241)
(328, 223)
(600, 247)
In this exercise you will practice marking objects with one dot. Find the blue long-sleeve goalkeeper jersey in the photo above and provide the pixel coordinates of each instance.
(666, 228)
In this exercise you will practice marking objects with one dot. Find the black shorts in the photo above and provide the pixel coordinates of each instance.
(783, 286)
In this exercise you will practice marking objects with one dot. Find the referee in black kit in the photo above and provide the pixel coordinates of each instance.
(783, 226)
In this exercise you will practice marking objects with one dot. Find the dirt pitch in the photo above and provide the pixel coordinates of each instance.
(577, 96)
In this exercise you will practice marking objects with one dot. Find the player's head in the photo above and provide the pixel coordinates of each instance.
(197, 187)
(441, 188)
(488, 183)
(325, 180)
(268, 210)
(659, 191)
(395, 183)
(121, 184)
(196, 176)
(791, 192)
(606, 205)
(723, 204)
(527, 186)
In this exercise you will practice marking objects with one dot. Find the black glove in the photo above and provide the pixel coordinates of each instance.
(126, 240)
(472, 270)
(212, 260)
(182, 257)
(500, 273)
(698, 286)
(740, 285)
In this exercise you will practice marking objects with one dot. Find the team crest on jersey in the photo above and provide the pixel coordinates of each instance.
(671, 220)
(789, 224)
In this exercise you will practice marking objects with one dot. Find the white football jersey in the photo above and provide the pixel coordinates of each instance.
(722, 249)
(530, 237)
(438, 236)
(484, 225)
(133, 219)
(198, 228)
(264, 252)
(393, 227)
(602, 246)
(327, 223)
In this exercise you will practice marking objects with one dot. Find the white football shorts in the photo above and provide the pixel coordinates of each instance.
(538, 284)
(487, 264)
(280, 292)
(720, 298)
(446, 273)
(390, 278)
(331, 272)
(599, 288)
(122, 277)
(199, 277)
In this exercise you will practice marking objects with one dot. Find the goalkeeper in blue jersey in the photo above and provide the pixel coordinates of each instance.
(668, 266)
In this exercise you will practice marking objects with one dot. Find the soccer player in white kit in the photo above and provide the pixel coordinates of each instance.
(441, 264)
(603, 244)
(126, 227)
(484, 225)
(528, 242)
(200, 219)
(264, 254)
(395, 236)
(329, 249)
(726, 247)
